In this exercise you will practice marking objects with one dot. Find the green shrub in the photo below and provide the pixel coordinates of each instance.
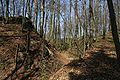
(62, 45)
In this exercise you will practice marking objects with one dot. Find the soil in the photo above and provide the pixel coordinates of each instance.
(44, 62)
(99, 63)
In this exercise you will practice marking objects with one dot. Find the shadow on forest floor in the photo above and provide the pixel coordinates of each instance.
(98, 67)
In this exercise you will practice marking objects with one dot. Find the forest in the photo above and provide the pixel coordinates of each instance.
(59, 40)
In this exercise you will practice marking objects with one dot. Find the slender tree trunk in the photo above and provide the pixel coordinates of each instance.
(13, 8)
(23, 19)
(65, 21)
(36, 13)
(70, 23)
(84, 26)
(96, 9)
(118, 7)
(2, 11)
(91, 20)
(58, 21)
(52, 21)
(54, 30)
(30, 8)
(43, 15)
(104, 20)
(23, 9)
(7, 8)
(26, 8)
(46, 21)
(2, 8)
(76, 19)
(114, 28)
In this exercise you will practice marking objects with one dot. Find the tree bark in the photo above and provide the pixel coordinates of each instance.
(104, 20)
(43, 16)
(114, 28)
(76, 19)
(7, 8)
(36, 13)
(2, 8)
(13, 8)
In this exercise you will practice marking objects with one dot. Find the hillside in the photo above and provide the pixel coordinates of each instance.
(16, 63)
(99, 63)
(45, 62)
(59, 40)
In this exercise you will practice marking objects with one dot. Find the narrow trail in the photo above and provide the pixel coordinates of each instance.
(99, 63)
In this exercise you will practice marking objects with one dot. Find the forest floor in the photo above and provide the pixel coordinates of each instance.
(99, 62)
(16, 63)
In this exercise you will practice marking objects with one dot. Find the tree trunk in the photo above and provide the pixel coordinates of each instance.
(52, 21)
(76, 19)
(58, 21)
(118, 13)
(7, 8)
(23, 11)
(104, 20)
(65, 21)
(91, 19)
(114, 28)
(2, 8)
(13, 7)
(43, 15)
(36, 13)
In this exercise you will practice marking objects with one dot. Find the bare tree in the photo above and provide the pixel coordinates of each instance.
(2, 8)
(43, 15)
(104, 20)
(36, 13)
(7, 9)
(114, 28)
(13, 7)
(76, 18)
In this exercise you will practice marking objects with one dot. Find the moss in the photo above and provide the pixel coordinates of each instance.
(2, 66)
(2, 41)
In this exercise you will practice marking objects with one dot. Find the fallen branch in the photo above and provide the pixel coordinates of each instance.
(16, 67)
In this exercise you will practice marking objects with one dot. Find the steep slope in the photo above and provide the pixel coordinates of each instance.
(16, 63)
